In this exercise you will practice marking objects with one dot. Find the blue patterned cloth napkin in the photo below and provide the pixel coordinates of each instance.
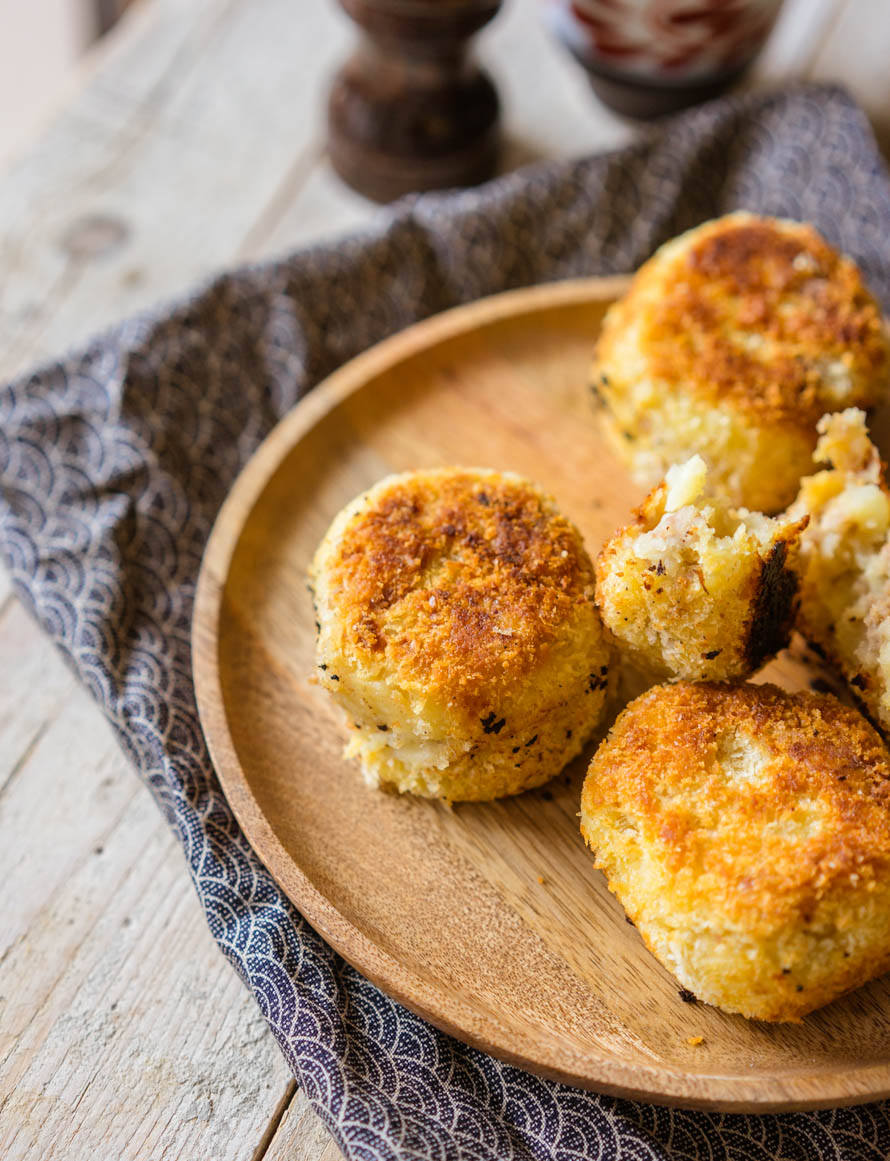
(114, 462)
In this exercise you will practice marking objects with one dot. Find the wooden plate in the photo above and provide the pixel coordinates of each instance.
(489, 920)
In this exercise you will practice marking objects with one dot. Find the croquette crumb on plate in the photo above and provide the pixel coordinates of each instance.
(733, 340)
(746, 831)
(458, 633)
(696, 589)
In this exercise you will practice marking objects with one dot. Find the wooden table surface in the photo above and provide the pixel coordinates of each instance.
(193, 140)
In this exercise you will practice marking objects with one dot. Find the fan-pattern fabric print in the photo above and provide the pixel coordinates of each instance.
(113, 465)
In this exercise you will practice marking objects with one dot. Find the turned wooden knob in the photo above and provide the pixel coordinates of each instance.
(409, 110)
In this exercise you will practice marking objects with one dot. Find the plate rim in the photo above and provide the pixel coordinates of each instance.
(657, 1084)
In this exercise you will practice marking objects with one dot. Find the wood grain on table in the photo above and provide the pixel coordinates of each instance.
(193, 140)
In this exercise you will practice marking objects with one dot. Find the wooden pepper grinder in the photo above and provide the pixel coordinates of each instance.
(409, 110)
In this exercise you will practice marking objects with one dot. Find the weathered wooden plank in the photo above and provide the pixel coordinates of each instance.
(321, 209)
(38, 45)
(33, 683)
(795, 42)
(166, 163)
(301, 1135)
(855, 52)
(123, 1031)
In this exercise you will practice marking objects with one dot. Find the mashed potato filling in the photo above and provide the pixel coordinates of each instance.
(695, 588)
(845, 554)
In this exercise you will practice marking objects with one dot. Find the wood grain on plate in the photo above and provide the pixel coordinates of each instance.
(489, 920)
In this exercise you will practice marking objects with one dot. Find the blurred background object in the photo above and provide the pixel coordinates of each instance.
(40, 45)
(107, 12)
(410, 110)
(649, 57)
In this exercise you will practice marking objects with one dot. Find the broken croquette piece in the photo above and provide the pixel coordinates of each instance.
(845, 559)
(696, 589)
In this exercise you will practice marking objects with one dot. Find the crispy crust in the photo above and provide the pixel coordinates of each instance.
(773, 858)
(458, 580)
(773, 600)
(459, 634)
(776, 279)
(732, 341)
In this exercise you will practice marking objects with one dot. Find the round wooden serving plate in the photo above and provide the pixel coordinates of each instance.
(489, 920)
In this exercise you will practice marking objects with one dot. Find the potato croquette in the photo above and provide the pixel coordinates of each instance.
(458, 633)
(845, 560)
(733, 340)
(696, 589)
(746, 831)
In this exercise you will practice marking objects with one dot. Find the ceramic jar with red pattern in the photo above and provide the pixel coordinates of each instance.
(647, 57)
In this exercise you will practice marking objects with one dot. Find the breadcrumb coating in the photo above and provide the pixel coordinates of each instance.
(732, 341)
(459, 633)
(746, 831)
(696, 589)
